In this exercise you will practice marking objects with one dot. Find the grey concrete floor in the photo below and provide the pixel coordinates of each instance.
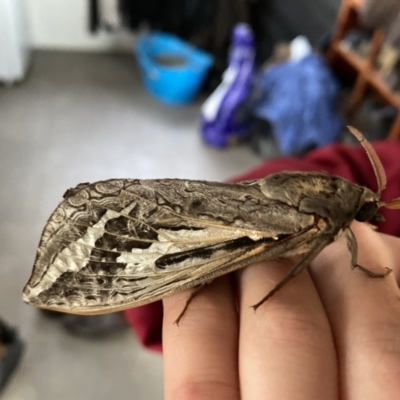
(81, 118)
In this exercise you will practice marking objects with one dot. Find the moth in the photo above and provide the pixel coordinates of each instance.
(122, 243)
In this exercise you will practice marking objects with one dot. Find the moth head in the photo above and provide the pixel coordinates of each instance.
(369, 205)
(369, 208)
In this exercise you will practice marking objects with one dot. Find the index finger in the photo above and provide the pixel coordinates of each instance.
(200, 355)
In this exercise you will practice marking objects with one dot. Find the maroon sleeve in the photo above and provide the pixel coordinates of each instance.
(350, 162)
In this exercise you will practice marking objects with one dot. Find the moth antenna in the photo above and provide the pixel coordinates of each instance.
(373, 157)
(392, 204)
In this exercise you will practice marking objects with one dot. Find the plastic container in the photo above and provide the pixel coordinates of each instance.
(172, 70)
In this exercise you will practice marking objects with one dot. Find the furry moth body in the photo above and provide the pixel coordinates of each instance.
(121, 243)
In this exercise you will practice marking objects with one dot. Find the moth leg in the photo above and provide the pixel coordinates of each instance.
(353, 248)
(195, 292)
(296, 270)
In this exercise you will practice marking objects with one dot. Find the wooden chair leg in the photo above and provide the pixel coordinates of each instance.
(395, 130)
(357, 95)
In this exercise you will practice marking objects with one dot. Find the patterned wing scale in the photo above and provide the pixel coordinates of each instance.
(117, 244)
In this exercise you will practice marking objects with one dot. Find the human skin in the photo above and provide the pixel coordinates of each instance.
(331, 332)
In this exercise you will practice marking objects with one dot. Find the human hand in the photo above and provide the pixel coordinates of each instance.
(329, 333)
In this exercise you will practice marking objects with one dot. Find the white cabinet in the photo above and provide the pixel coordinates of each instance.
(14, 43)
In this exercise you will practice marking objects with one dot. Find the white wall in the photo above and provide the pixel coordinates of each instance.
(63, 25)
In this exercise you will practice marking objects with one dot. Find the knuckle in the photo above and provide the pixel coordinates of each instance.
(205, 390)
(290, 325)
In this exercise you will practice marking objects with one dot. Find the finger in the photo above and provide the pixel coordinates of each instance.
(285, 348)
(364, 314)
(200, 355)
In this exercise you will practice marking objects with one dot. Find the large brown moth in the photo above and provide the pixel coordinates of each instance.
(121, 243)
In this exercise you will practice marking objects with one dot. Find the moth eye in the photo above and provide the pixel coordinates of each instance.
(367, 211)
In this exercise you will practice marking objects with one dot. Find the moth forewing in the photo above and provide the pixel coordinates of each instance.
(124, 259)
(121, 243)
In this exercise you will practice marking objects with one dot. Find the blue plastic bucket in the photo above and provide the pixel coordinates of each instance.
(172, 70)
